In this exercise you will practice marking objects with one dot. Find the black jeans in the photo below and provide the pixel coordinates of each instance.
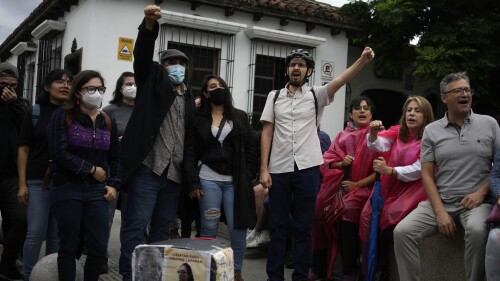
(14, 225)
(349, 246)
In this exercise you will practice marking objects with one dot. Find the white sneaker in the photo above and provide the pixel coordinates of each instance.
(251, 236)
(254, 243)
(260, 240)
(264, 238)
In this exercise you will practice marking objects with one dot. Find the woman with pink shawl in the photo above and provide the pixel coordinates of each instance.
(347, 168)
(400, 175)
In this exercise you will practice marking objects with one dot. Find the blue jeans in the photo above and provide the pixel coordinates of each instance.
(74, 203)
(42, 225)
(111, 211)
(150, 198)
(215, 195)
(298, 190)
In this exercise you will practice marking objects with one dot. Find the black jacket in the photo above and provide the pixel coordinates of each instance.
(11, 118)
(244, 157)
(155, 96)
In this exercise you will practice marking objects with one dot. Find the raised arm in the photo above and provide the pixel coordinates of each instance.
(145, 43)
(333, 86)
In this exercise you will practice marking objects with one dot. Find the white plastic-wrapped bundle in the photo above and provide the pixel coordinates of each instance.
(183, 259)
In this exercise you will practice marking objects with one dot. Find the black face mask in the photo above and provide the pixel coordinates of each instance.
(218, 96)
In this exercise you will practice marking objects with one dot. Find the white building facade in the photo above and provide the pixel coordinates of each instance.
(245, 45)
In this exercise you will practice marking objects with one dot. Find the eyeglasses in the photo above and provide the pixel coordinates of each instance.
(359, 107)
(459, 91)
(91, 89)
(181, 271)
(130, 84)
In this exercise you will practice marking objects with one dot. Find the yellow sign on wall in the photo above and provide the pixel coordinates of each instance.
(125, 48)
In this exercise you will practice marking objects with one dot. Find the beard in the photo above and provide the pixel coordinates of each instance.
(295, 83)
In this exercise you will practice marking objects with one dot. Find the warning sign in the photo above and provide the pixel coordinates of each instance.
(125, 48)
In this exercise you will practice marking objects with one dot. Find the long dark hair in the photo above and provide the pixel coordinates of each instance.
(117, 94)
(54, 75)
(229, 109)
(189, 271)
(72, 106)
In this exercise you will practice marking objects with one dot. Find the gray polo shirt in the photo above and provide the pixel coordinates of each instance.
(463, 157)
(295, 138)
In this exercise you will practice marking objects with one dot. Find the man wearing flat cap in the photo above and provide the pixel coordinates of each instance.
(153, 143)
(12, 110)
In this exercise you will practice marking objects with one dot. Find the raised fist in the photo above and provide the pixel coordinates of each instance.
(152, 13)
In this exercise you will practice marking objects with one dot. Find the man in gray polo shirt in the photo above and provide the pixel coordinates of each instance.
(456, 155)
(290, 120)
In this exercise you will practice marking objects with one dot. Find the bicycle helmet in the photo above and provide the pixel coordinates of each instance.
(300, 53)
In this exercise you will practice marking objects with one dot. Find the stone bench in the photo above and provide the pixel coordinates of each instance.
(442, 259)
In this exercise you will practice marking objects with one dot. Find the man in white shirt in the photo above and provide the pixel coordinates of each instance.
(291, 167)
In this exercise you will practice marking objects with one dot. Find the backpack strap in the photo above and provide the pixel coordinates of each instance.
(315, 105)
(276, 94)
(35, 114)
(108, 120)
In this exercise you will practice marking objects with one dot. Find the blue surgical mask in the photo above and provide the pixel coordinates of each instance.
(176, 73)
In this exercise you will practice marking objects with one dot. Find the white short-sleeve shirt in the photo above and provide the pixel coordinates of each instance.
(295, 137)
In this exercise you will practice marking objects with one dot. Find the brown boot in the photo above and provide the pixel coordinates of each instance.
(238, 276)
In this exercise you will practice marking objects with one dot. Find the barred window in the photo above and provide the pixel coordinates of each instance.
(26, 65)
(209, 53)
(49, 57)
(268, 72)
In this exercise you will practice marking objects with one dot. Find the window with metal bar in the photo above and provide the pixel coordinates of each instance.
(209, 53)
(49, 57)
(26, 64)
(267, 73)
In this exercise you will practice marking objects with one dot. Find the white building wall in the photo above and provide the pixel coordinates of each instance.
(97, 26)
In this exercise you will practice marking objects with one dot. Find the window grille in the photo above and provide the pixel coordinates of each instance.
(26, 64)
(49, 58)
(208, 52)
(267, 73)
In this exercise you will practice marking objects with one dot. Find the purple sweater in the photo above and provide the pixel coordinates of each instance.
(76, 147)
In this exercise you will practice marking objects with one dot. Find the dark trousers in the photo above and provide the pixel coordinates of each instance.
(76, 206)
(14, 223)
(302, 187)
(349, 246)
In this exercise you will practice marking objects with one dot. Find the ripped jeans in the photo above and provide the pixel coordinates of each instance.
(215, 195)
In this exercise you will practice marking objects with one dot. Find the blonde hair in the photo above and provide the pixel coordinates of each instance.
(426, 109)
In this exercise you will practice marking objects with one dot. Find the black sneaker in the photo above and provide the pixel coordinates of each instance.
(105, 268)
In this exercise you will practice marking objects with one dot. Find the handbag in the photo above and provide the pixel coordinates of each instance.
(335, 205)
(494, 216)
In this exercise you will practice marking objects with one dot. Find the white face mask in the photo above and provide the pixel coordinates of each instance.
(92, 101)
(129, 91)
